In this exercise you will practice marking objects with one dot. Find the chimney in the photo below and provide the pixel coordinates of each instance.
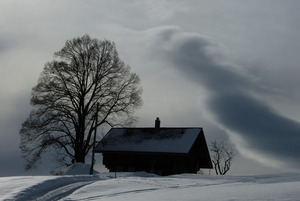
(157, 123)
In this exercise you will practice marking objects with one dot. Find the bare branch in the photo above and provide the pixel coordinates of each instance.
(222, 155)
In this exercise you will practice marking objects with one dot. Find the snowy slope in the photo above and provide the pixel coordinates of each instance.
(193, 187)
(32, 187)
(141, 186)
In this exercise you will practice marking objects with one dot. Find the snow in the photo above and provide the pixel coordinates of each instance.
(31, 187)
(144, 187)
(79, 169)
(164, 140)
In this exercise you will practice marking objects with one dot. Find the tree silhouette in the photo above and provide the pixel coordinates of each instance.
(84, 72)
(222, 156)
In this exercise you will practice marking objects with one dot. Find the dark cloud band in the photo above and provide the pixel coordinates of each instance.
(230, 99)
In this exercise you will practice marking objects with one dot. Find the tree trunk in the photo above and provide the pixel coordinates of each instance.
(79, 147)
(79, 154)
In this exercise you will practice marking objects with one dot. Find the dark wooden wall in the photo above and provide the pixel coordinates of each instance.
(160, 163)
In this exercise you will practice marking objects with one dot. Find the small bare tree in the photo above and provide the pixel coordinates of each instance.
(222, 156)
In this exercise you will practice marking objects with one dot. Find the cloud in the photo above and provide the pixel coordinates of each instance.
(264, 131)
(233, 98)
(165, 58)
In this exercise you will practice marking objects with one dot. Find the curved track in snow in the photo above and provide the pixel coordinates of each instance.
(62, 192)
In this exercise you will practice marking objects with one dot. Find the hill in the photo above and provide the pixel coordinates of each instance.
(142, 186)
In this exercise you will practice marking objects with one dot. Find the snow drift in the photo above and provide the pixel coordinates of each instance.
(144, 187)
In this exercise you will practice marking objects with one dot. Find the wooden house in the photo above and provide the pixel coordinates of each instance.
(163, 151)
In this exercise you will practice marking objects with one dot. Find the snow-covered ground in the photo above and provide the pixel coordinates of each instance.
(142, 186)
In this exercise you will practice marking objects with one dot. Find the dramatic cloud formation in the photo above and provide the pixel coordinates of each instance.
(231, 97)
(231, 67)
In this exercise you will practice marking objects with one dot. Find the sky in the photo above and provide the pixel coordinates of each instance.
(230, 67)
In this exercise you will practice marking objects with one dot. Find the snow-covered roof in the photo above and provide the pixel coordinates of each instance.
(162, 140)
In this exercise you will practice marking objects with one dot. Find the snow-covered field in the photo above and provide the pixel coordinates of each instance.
(142, 186)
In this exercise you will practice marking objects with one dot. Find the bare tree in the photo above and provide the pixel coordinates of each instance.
(222, 156)
(84, 72)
